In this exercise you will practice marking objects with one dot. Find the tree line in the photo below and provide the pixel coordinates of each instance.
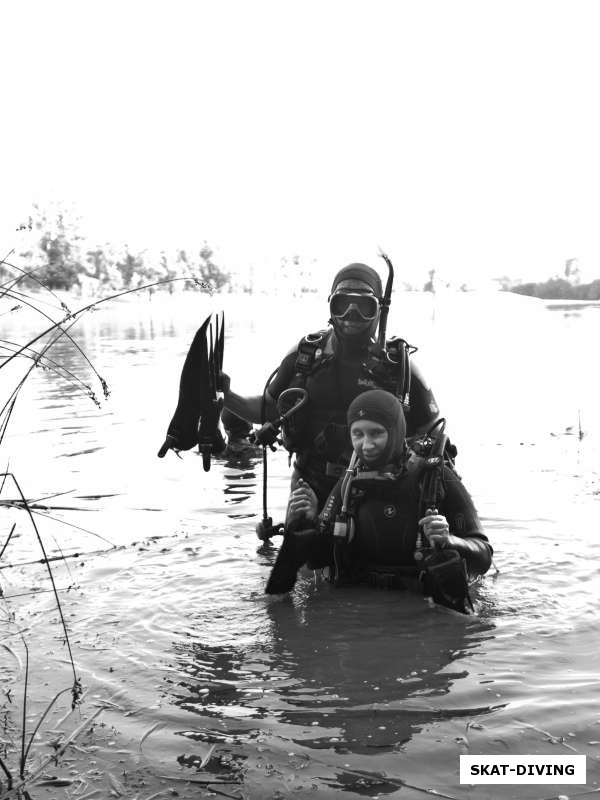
(559, 289)
(57, 255)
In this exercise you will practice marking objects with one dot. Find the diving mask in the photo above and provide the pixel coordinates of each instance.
(342, 304)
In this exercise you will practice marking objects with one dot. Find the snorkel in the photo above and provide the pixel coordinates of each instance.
(396, 351)
(385, 301)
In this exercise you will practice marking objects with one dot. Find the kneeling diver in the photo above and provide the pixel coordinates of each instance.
(369, 530)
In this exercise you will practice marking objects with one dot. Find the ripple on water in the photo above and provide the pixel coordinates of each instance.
(329, 677)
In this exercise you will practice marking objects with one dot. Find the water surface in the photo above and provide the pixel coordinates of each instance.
(366, 692)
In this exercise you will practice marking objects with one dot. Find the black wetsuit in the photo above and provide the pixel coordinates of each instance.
(386, 510)
(322, 445)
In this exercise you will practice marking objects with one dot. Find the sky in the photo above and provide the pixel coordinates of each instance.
(459, 135)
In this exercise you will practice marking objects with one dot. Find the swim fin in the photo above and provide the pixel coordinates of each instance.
(196, 418)
(298, 547)
(210, 438)
(288, 562)
(445, 579)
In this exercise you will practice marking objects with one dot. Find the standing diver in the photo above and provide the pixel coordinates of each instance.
(372, 525)
(332, 367)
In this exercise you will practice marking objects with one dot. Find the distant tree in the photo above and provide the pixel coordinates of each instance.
(55, 253)
(572, 271)
(555, 289)
(167, 271)
(97, 263)
(552, 289)
(130, 267)
(430, 285)
(210, 272)
(185, 269)
(101, 265)
(248, 285)
(53, 249)
(505, 283)
(592, 290)
(527, 289)
(148, 269)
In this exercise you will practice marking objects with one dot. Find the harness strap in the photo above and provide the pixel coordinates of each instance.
(310, 351)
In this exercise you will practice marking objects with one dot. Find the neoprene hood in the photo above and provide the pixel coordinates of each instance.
(360, 272)
(382, 407)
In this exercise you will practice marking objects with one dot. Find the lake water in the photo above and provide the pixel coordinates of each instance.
(370, 693)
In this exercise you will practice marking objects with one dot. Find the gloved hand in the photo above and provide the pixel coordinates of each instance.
(476, 550)
(303, 503)
(436, 529)
(225, 382)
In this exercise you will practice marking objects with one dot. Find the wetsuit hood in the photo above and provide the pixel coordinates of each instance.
(382, 407)
(359, 272)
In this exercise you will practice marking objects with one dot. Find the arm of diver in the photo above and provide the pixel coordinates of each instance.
(476, 551)
(464, 532)
(250, 408)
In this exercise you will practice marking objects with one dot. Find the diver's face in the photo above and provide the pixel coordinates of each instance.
(354, 308)
(368, 439)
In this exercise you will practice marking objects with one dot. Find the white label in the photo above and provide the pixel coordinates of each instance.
(523, 769)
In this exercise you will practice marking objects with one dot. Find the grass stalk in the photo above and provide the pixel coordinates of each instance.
(51, 576)
(24, 726)
(12, 530)
(6, 771)
(41, 719)
(76, 314)
(46, 363)
(61, 749)
(65, 333)
(62, 557)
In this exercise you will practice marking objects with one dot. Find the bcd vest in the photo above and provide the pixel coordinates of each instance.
(385, 513)
(332, 382)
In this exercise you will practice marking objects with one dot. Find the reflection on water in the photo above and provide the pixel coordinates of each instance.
(348, 689)
(239, 476)
(351, 674)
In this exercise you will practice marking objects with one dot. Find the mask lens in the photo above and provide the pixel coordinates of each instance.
(366, 305)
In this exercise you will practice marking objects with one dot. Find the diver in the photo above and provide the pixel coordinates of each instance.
(372, 525)
(332, 367)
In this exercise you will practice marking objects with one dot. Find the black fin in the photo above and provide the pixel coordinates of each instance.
(297, 548)
(196, 418)
(283, 575)
(445, 579)
(210, 439)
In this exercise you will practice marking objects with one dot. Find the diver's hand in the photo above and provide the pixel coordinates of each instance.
(225, 383)
(303, 502)
(436, 529)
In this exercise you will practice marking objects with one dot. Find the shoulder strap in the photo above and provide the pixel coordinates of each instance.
(390, 367)
(310, 351)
